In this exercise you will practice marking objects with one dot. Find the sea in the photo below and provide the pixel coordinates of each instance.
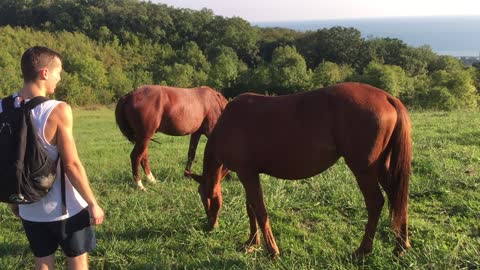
(457, 36)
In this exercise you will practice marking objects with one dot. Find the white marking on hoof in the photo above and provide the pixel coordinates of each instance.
(151, 179)
(140, 186)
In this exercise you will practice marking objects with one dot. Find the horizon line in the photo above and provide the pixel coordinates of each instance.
(370, 18)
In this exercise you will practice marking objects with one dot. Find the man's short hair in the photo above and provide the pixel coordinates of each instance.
(34, 59)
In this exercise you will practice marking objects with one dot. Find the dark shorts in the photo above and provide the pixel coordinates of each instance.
(75, 235)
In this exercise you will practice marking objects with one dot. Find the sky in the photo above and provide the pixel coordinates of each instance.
(298, 10)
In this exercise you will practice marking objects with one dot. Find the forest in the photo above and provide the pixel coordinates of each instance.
(110, 47)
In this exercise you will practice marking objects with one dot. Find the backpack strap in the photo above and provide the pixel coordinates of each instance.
(62, 184)
(34, 102)
(8, 103)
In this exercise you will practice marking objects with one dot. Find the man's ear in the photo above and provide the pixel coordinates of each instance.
(43, 74)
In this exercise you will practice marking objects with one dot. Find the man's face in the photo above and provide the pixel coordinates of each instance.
(54, 75)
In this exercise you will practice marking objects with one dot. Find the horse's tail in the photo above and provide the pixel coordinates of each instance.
(398, 175)
(121, 119)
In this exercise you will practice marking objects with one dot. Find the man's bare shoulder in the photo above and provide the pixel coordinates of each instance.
(62, 110)
(61, 115)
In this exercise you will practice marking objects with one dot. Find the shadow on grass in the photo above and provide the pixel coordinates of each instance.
(148, 233)
(472, 138)
(13, 249)
(211, 263)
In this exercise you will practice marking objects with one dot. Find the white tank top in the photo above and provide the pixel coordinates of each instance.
(49, 208)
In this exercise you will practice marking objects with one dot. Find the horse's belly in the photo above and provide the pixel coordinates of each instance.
(177, 131)
(179, 128)
(291, 165)
(298, 169)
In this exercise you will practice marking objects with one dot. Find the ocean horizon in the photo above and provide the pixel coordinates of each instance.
(457, 36)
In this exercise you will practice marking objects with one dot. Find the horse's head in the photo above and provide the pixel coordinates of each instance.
(211, 196)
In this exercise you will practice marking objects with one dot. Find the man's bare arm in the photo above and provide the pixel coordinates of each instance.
(62, 115)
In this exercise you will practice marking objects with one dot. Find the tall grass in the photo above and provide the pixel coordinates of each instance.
(317, 222)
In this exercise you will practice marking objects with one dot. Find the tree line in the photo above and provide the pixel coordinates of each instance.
(113, 46)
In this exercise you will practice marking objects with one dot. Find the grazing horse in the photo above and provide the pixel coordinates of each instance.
(170, 110)
(300, 135)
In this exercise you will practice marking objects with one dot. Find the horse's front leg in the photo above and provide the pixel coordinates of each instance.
(194, 138)
(255, 201)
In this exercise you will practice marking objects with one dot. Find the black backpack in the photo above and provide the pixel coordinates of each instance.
(26, 171)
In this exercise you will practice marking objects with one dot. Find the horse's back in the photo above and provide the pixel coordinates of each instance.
(172, 110)
(308, 130)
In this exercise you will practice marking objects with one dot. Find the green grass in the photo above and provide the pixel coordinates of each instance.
(317, 222)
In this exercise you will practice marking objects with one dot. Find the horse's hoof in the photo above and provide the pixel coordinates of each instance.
(211, 227)
(251, 245)
(400, 252)
(360, 254)
(151, 179)
(141, 188)
(274, 254)
(187, 173)
(249, 249)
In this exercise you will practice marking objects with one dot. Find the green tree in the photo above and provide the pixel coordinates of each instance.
(271, 38)
(11, 80)
(329, 73)
(192, 55)
(388, 77)
(179, 75)
(91, 73)
(460, 85)
(118, 82)
(257, 80)
(340, 45)
(447, 63)
(289, 71)
(415, 61)
(237, 34)
(386, 50)
(73, 91)
(226, 67)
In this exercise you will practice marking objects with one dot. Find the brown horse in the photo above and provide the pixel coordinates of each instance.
(300, 135)
(170, 110)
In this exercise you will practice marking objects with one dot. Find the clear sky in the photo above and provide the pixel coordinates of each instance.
(297, 10)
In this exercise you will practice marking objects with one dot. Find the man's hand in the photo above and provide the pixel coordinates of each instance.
(14, 208)
(96, 214)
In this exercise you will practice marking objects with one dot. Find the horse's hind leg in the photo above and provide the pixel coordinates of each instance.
(136, 157)
(146, 168)
(368, 183)
(194, 138)
(401, 234)
(254, 238)
(257, 211)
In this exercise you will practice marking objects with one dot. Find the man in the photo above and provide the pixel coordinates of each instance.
(45, 224)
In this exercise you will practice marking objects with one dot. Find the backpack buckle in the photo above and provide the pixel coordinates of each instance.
(17, 198)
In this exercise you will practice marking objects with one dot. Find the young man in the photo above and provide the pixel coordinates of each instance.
(45, 224)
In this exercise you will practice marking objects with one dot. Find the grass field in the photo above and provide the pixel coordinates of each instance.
(317, 222)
